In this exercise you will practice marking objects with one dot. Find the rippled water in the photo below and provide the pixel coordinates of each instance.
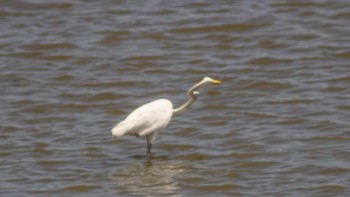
(278, 126)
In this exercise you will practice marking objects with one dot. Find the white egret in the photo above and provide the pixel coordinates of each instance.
(149, 119)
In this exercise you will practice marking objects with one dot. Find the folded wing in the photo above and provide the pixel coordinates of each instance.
(145, 120)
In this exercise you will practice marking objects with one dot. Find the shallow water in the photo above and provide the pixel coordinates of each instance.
(277, 126)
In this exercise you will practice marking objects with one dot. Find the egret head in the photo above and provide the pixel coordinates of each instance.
(212, 81)
(193, 92)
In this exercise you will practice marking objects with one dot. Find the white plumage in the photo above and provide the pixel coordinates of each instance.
(149, 119)
(145, 119)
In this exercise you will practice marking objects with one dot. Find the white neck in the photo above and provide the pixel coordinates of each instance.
(185, 106)
(193, 94)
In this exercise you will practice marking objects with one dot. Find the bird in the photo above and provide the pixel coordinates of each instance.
(150, 119)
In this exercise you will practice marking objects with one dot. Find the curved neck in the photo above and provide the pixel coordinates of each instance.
(185, 106)
(193, 94)
(194, 88)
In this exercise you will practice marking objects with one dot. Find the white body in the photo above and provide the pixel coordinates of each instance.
(147, 119)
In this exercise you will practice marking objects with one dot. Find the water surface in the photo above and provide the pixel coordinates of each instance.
(278, 126)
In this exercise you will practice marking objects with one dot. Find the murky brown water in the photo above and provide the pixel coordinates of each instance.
(278, 126)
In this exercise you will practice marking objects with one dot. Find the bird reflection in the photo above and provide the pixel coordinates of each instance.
(150, 178)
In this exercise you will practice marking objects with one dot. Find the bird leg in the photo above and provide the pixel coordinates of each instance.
(150, 140)
(149, 146)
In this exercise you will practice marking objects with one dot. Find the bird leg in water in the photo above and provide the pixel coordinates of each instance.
(150, 140)
(149, 146)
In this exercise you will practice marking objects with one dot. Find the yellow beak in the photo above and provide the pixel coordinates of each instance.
(216, 82)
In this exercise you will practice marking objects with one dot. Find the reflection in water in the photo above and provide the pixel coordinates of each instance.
(151, 178)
